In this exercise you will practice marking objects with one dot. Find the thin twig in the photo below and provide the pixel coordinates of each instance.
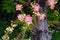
(52, 22)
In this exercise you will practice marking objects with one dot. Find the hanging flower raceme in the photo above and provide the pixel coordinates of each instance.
(20, 17)
(52, 3)
(28, 19)
(36, 8)
(18, 7)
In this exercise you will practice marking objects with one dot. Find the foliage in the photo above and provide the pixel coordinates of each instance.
(8, 6)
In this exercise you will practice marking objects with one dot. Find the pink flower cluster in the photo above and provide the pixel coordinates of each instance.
(42, 16)
(20, 17)
(18, 7)
(52, 3)
(36, 8)
(28, 19)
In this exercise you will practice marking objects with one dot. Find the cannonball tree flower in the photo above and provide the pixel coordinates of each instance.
(18, 7)
(36, 8)
(20, 17)
(42, 16)
(28, 19)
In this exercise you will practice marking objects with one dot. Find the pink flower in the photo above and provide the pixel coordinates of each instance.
(52, 6)
(42, 16)
(28, 19)
(18, 7)
(20, 17)
(36, 8)
(52, 3)
(14, 25)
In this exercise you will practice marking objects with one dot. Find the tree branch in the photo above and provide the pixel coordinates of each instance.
(52, 22)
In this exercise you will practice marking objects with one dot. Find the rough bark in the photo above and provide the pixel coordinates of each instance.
(42, 33)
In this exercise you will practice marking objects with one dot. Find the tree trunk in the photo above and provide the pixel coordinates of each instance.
(43, 32)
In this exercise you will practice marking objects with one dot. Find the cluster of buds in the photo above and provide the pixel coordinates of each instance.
(5, 37)
(9, 29)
